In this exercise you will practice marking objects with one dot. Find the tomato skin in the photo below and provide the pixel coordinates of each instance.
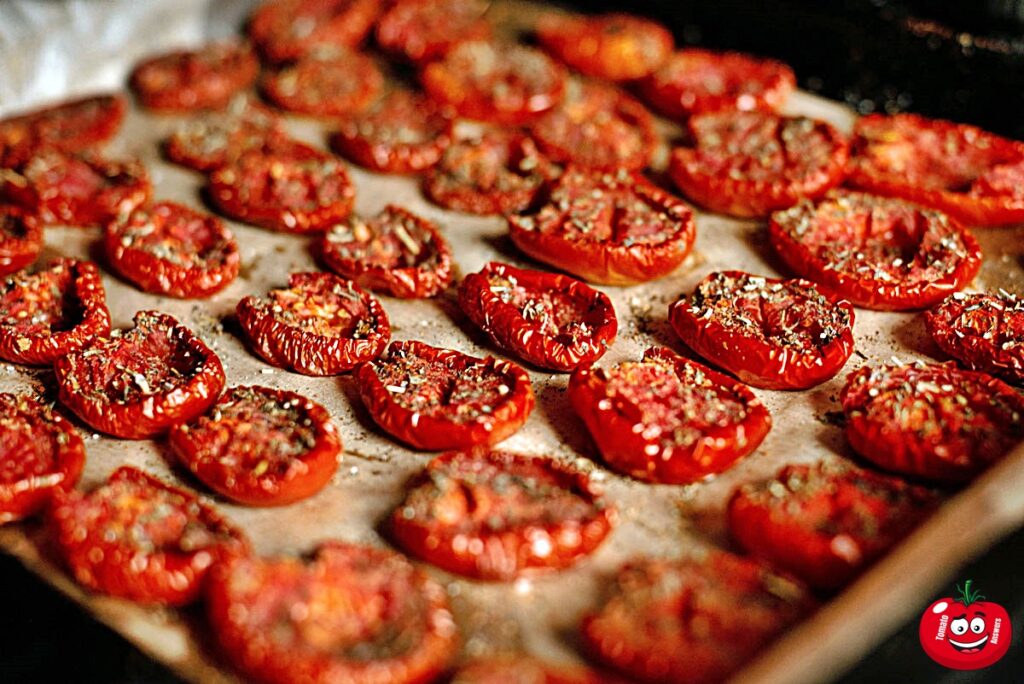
(21, 239)
(933, 421)
(331, 83)
(607, 250)
(583, 340)
(190, 80)
(72, 126)
(624, 436)
(744, 324)
(421, 31)
(42, 344)
(357, 595)
(979, 620)
(981, 331)
(826, 523)
(442, 518)
(102, 538)
(30, 435)
(614, 47)
(286, 345)
(276, 27)
(877, 253)
(739, 167)
(212, 251)
(446, 428)
(159, 344)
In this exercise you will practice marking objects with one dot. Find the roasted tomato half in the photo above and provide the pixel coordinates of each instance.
(612, 227)
(753, 163)
(188, 80)
(520, 668)
(875, 252)
(138, 538)
(21, 239)
(615, 47)
(440, 399)
(170, 249)
(352, 614)
(139, 383)
(774, 334)
(260, 446)
(692, 621)
(972, 175)
(424, 30)
(501, 83)
(984, 332)
(825, 523)
(283, 192)
(42, 454)
(327, 83)
(496, 515)
(68, 127)
(931, 421)
(666, 418)
(319, 325)
(395, 252)
(286, 30)
(50, 313)
(695, 81)
(552, 321)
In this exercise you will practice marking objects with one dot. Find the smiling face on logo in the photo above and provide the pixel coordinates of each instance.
(968, 633)
(965, 634)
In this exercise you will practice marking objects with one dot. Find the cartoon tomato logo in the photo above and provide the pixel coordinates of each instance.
(967, 633)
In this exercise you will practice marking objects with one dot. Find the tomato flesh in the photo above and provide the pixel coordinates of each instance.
(326, 84)
(985, 332)
(21, 239)
(185, 81)
(425, 30)
(67, 127)
(286, 30)
(614, 47)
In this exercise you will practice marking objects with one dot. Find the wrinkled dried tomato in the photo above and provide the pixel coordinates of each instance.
(984, 332)
(72, 126)
(286, 30)
(327, 83)
(615, 47)
(187, 80)
(424, 30)
(21, 239)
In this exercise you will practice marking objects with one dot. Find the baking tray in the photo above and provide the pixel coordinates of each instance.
(540, 614)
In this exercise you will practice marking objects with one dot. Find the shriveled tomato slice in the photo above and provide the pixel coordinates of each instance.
(695, 81)
(439, 399)
(668, 419)
(79, 190)
(971, 174)
(187, 80)
(68, 127)
(320, 325)
(395, 252)
(260, 446)
(351, 614)
(286, 30)
(501, 83)
(282, 192)
(170, 249)
(50, 313)
(877, 253)
(496, 515)
(139, 383)
(21, 239)
(497, 173)
(404, 132)
(775, 334)
(334, 82)
(615, 47)
(613, 227)
(692, 620)
(753, 163)
(984, 332)
(425, 30)
(932, 421)
(523, 669)
(827, 522)
(42, 453)
(552, 321)
(139, 538)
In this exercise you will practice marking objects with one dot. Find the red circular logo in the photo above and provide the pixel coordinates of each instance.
(967, 632)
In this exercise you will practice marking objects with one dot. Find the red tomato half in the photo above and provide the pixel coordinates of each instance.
(774, 334)
(931, 421)
(877, 253)
(68, 127)
(188, 80)
(692, 621)
(328, 83)
(966, 633)
(138, 538)
(42, 453)
(139, 384)
(523, 669)
(552, 321)
(495, 515)
(395, 252)
(286, 30)
(752, 163)
(21, 239)
(983, 332)
(826, 523)
(320, 325)
(616, 228)
(438, 399)
(260, 446)
(615, 47)
(168, 248)
(668, 419)
(970, 174)
(51, 313)
(424, 30)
